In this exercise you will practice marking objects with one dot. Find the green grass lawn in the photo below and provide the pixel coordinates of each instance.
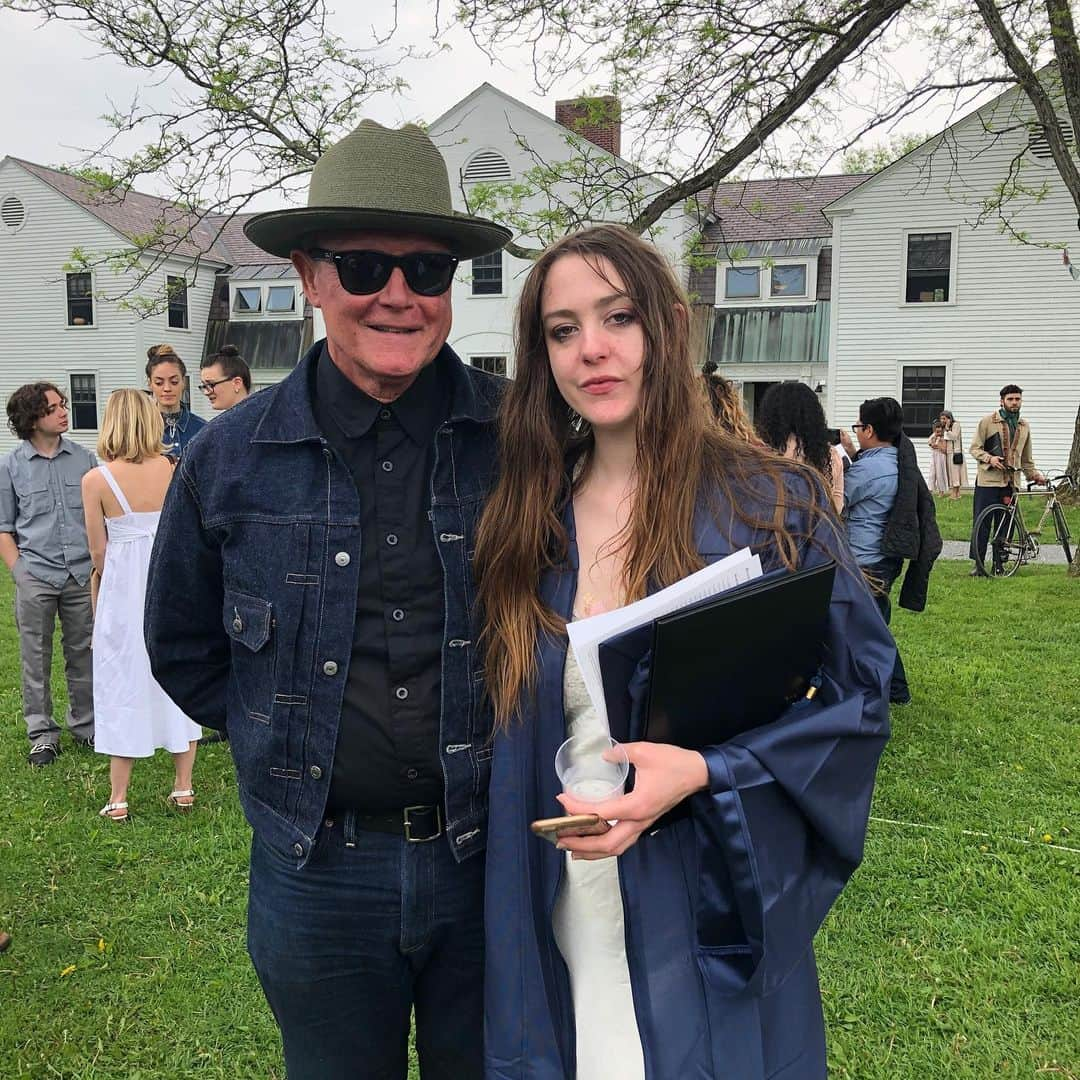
(955, 951)
(954, 517)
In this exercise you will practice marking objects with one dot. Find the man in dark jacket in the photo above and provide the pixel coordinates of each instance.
(310, 592)
(890, 516)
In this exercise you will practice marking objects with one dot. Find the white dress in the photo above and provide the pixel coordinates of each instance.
(590, 931)
(133, 716)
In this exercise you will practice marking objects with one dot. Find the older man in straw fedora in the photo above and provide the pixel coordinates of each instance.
(310, 593)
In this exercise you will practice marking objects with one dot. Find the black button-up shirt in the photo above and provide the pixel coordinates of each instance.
(387, 754)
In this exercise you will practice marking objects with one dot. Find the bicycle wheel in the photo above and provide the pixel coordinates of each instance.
(1005, 546)
(1062, 527)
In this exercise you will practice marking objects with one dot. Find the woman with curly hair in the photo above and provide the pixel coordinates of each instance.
(790, 420)
(685, 949)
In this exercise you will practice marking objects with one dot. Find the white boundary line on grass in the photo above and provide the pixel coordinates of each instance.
(980, 835)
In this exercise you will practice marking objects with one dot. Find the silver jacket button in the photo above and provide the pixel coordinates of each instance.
(316, 772)
(238, 624)
(329, 668)
(342, 558)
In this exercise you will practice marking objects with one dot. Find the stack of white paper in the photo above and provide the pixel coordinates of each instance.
(587, 634)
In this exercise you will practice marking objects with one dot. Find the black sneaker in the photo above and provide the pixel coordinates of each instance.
(86, 744)
(43, 754)
(978, 573)
(213, 737)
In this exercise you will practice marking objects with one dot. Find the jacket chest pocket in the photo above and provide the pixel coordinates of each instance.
(34, 499)
(73, 494)
(249, 622)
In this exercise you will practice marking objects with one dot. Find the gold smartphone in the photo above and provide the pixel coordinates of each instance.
(554, 828)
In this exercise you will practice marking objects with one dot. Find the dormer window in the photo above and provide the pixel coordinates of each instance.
(247, 300)
(255, 300)
(766, 281)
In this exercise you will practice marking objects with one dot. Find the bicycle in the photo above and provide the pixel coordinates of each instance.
(1010, 543)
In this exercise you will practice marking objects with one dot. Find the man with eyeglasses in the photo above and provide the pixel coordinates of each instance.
(43, 543)
(310, 591)
(890, 517)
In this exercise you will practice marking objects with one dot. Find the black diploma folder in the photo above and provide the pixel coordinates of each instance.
(704, 674)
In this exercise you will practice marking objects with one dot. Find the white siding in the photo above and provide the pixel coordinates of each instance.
(35, 340)
(491, 120)
(1017, 312)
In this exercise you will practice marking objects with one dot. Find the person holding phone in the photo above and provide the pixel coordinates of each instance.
(682, 950)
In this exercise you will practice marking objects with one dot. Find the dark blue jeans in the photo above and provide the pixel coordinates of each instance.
(984, 497)
(346, 948)
(887, 571)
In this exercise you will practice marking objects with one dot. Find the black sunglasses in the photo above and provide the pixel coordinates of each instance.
(428, 273)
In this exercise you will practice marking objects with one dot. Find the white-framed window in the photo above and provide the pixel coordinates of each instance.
(929, 266)
(80, 298)
(487, 275)
(253, 300)
(176, 290)
(82, 401)
(766, 281)
(494, 365)
(923, 392)
(280, 299)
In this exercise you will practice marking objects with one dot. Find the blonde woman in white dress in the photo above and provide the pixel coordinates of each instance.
(122, 501)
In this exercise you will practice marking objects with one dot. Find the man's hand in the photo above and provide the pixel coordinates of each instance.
(996, 462)
(9, 550)
(664, 776)
(847, 444)
(1038, 478)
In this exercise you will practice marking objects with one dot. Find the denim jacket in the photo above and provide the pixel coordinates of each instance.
(178, 435)
(251, 601)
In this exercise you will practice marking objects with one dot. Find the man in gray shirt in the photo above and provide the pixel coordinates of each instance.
(43, 543)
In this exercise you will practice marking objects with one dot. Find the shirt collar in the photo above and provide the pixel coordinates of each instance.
(419, 410)
(33, 451)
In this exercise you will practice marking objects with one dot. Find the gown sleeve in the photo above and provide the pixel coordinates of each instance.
(781, 827)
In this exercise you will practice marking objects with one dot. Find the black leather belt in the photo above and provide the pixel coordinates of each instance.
(416, 824)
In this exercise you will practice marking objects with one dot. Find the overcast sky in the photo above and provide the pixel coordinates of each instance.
(55, 85)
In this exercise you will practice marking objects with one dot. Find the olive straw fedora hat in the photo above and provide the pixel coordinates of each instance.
(383, 180)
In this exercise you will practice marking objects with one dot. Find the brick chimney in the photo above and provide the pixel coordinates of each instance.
(598, 119)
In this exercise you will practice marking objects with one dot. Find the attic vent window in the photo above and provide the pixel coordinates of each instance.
(12, 213)
(487, 166)
(1039, 145)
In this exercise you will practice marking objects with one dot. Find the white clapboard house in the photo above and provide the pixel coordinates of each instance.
(937, 304)
(83, 329)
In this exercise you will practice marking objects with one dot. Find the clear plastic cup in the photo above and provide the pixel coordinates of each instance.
(584, 771)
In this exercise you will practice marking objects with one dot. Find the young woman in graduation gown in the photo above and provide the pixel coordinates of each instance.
(684, 952)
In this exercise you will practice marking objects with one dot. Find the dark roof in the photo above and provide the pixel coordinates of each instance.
(782, 209)
(242, 250)
(134, 214)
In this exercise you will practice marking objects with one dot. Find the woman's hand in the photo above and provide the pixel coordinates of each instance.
(664, 776)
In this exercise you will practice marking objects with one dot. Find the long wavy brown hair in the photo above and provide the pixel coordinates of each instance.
(683, 457)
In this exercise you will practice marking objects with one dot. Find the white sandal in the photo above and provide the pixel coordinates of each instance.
(175, 797)
(109, 811)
